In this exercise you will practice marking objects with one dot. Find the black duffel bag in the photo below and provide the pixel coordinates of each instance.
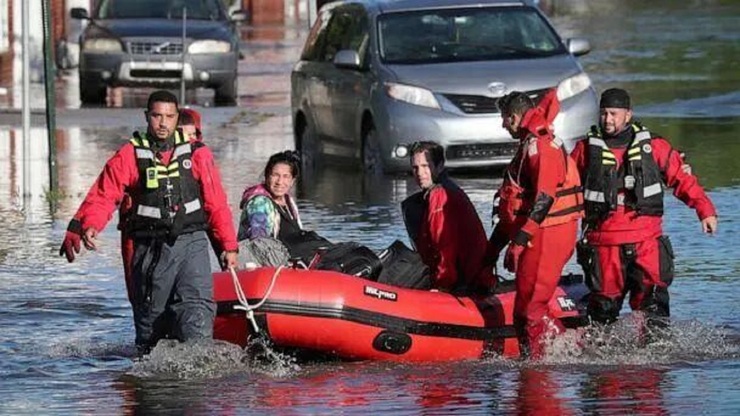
(349, 258)
(403, 267)
(303, 246)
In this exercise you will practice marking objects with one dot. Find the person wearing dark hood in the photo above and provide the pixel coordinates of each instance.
(539, 206)
(444, 225)
(625, 168)
(176, 195)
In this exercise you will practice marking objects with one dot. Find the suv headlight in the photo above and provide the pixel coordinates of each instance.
(573, 86)
(102, 45)
(411, 95)
(209, 46)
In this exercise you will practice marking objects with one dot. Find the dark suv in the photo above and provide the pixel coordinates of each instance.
(139, 43)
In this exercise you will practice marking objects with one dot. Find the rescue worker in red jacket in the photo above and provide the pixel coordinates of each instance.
(176, 194)
(540, 204)
(624, 168)
(190, 128)
(444, 225)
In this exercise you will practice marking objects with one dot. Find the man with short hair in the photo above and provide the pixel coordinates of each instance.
(539, 207)
(176, 195)
(444, 225)
(624, 168)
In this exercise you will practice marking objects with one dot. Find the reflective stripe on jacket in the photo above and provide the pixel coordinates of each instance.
(168, 200)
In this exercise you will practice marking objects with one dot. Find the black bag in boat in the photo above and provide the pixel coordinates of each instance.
(303, 246)
(349, 258)
(403, 267)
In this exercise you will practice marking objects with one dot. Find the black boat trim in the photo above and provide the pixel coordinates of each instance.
(376, 319)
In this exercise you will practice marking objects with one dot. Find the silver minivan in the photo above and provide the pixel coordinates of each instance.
(376, 75)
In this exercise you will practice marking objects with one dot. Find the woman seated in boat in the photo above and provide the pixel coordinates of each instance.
(271, 233)
(267, 208)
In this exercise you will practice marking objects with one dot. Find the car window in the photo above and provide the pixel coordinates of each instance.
(475, 34)
(316, 37)
(161, 9)
(348, 29)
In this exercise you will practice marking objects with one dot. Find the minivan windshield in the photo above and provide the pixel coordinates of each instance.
(160, 9)
(469, 34)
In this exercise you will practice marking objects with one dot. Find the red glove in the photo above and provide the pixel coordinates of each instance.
(72, 239)
(511, 259)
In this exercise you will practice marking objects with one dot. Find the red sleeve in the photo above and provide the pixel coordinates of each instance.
(442, 230)
(545, 169)
(118, 174)
(677, 175)
(215, 204)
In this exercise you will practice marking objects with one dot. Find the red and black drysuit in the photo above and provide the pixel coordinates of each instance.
(539, 207)
(449, 236)
(176, 194)
(625, 250)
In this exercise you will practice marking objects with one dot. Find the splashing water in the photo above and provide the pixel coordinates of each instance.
(264, 358)
(190, 360)
(209, 359)
(630, 342)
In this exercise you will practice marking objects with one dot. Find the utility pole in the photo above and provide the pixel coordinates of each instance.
(50, 79)
(184, 50)
(26, 101)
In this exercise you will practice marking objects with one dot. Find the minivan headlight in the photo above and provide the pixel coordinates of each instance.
(573, 86)
(411, 95)
(102, 45)
(209, 46)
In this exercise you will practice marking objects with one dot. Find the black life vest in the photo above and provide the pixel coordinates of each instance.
(638, 179)
(167, 201)
(289, 225)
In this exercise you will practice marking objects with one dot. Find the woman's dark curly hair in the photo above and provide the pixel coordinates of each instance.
(289, 157)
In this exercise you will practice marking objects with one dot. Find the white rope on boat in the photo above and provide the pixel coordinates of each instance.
(242, 298)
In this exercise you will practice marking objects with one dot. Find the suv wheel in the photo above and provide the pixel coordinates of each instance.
(91, 93)
(226, 93)
(372, 161)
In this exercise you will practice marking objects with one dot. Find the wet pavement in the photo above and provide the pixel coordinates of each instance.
(66, 329)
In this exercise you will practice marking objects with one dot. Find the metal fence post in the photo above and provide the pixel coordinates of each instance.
(50, 80)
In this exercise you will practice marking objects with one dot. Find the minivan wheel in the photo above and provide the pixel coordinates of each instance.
(307, 147)
(372, 162)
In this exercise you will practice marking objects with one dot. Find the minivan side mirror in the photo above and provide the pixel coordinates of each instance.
(79, 13)
(578, 46)
(347, 58)
(238, 16)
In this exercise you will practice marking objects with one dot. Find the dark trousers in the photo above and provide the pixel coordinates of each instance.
(173, 289)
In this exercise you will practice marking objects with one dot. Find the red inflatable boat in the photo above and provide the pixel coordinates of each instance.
(357, 319)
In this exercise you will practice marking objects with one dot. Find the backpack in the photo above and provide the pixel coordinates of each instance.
(403, 267)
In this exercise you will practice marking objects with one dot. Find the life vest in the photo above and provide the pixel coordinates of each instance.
(637, 183)
(167, 201)
(516, 202)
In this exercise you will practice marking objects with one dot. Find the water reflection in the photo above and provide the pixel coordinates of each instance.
(628, 390)
(538, 392)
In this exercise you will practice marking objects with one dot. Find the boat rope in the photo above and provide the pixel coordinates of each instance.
(242, 298)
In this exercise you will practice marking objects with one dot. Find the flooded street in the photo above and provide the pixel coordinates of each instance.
(66, 330)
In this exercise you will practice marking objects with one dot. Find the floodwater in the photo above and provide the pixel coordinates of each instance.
(66, 330)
